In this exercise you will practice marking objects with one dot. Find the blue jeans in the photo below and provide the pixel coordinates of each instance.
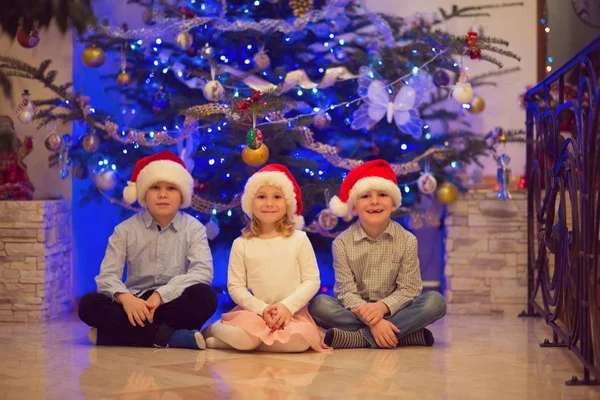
(424, 310)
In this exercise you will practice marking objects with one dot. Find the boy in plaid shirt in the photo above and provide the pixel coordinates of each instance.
(378, 301)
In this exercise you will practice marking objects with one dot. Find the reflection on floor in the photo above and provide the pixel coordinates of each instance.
(473, 358)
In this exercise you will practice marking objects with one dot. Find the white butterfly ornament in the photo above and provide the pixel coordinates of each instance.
(378, 104)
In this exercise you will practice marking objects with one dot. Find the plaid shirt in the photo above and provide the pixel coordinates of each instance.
(370, 270)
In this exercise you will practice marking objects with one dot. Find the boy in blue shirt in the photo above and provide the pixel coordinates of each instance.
(167, 295)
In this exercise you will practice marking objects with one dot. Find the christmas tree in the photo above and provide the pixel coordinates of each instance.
(320, 86)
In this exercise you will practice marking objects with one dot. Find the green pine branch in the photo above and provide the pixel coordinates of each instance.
(17, 68)
(42, 13)
(473, 11)
(478, 80)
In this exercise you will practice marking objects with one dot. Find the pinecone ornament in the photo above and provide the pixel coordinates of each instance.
(301, 7)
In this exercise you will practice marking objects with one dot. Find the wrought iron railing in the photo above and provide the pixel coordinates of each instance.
(563, 170)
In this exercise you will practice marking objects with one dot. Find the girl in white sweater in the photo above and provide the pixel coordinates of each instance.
(272, 274)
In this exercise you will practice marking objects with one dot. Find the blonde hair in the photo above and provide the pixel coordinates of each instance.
(285, 226)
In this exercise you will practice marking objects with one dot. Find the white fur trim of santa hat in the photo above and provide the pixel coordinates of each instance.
(130, 192)
(298, 222)
(338, 207)
(157, 171)
(272, 178)
(362, 186)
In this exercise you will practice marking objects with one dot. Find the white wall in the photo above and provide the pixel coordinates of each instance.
(53, 45)
(518, 26)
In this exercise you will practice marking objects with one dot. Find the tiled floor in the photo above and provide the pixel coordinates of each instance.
(473, 358)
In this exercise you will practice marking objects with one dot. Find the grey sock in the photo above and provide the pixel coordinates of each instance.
(422, 337)
(341, 339)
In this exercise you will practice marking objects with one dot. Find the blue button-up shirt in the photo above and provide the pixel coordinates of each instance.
(167, 260)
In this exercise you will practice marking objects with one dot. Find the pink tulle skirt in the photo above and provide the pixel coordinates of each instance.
(301, 324)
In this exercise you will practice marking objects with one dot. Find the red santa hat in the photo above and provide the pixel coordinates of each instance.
(163, 166)
(372, 175)
(279, 176)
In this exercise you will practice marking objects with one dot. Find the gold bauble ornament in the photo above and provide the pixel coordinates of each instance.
(348, 217)
(477, 105)
(327, 220)
(184, 40)
(214, 91)
(106, 180)
(91, 142)
(123, 78)
(93, 56)
(261, 60)
(446, 193)
(80, 171)
(322, 120)
(255, 158)
(53, 142)
(208, 52)
(301, 7)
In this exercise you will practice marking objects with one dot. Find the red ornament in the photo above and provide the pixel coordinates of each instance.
(254, 98)
(191, 52)
(28, 39)
(471, 38)
(255, 95)
(187, 12)
(199, 186)
(243, 105)
(475, 53)
(374, 150)
(471, 47)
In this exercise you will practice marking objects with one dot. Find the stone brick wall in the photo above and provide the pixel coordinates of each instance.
(35, 260)
(486, 254)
